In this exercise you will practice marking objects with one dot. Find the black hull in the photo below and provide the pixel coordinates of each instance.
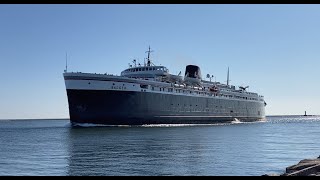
(139, 108)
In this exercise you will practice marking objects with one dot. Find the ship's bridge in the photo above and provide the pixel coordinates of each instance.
(145, 72)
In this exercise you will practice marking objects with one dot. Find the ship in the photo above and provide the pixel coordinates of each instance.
(148, 94)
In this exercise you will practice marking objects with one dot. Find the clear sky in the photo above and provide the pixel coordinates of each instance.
(274, 49)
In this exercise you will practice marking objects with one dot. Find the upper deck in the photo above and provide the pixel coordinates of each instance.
(145, 72)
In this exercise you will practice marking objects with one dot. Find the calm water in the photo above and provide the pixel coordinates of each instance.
(53, 147)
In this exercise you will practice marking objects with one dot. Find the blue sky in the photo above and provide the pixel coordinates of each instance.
(275, 49)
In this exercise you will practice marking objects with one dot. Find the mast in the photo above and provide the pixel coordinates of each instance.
(228, 78)
(149, 62)
(66, 63)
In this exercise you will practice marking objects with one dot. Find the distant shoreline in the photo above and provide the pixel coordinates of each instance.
(290, 115)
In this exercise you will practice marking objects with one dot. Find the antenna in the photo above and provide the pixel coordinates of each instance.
(66, 63)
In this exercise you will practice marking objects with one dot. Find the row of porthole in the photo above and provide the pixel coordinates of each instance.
(112, 84)
(215, 107)
(203, 93)
(122, 84)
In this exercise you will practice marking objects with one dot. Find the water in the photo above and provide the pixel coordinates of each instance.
(53, 147)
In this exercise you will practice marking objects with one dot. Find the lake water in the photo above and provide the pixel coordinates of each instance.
(53, 147)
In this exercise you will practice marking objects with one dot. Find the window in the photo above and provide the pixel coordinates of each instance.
(143, 86)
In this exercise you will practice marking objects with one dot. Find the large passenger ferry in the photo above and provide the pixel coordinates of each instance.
(149, 94)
